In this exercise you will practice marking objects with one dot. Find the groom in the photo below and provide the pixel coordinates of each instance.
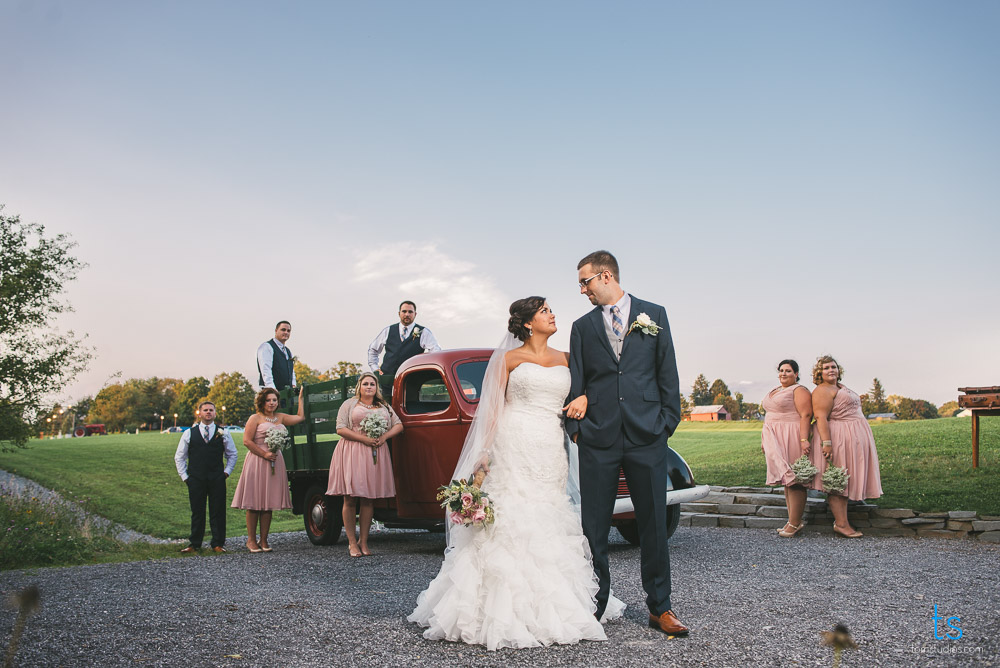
(622, 358)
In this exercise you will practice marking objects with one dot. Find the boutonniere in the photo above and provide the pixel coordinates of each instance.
(416, 332)
(645, 325)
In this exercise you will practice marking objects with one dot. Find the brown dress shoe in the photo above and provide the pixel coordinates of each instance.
(668, 624)
(189, 549)
(218, 549)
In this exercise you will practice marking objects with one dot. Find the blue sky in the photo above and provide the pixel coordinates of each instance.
(787, 179)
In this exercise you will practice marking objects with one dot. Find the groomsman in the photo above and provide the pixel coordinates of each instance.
(274, 360)
(401, 341)
(199, 463)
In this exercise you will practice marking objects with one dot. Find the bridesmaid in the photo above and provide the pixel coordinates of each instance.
(263, 489)
(846, 440)
(785, 438)
(353, 473)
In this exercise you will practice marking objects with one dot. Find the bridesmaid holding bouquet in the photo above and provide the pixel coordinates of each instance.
(846, 441)
(785, 439)
(361, 467)
(263, 486)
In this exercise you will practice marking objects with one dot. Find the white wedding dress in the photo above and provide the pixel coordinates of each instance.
(527, 579)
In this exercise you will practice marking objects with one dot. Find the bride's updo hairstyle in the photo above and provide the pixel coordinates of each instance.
(521, 313)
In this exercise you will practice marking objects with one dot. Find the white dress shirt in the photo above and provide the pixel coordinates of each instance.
(181, 456)
(427, 342)
(265, 357)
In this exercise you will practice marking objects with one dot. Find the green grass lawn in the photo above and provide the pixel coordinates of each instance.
(130, 479)
(926, 464)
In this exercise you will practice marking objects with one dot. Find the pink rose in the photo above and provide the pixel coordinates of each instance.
(456, 518)
(466, 499)
(479, 516)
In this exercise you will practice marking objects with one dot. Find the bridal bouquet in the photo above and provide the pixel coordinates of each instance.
(804, 470)
(467, 505)
(374, 425)
(277, 439)
(835, 479)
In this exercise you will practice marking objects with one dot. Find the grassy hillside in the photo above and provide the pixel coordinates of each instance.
(129, 478)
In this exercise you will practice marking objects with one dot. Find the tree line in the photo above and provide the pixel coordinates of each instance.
(873, 401)
(149, 403)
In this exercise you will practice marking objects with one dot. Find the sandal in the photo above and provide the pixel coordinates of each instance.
(255, 550)
(836, 530)
(785, 533)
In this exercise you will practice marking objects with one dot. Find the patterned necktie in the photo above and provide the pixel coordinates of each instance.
(205, 427)
(402, 334)
(616, 321)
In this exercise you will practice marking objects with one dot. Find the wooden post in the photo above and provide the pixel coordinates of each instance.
(975, 439)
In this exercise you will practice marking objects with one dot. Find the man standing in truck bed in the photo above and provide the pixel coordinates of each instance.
(401, 341)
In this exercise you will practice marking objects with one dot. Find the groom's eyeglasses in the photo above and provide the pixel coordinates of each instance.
(585, 281)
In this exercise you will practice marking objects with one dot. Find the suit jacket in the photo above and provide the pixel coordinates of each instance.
(638, 393)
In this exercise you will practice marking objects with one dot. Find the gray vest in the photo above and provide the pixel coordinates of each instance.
(616, 343)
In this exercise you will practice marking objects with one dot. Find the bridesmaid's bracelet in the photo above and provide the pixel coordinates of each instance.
(827, 444)
(803, 440)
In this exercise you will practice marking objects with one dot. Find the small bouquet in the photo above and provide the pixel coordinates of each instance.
(804, 470)
(277, 439)
(835, 479)
(374, 425)
(467, 504)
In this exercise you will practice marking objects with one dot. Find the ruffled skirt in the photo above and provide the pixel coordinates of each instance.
(526, 580)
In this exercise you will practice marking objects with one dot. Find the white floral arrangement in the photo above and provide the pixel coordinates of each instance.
(804, 470)
(416, 332)
(645, 325)
(835, 479)
(277, 439)
(374, 425)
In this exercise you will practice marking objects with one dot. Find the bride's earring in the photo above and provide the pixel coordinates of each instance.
(530, 332)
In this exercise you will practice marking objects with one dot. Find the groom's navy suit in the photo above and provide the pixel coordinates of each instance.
(633, 408)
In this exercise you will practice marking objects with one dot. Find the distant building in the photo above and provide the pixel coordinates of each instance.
(964, 413)
(709, 414)
(883, 416)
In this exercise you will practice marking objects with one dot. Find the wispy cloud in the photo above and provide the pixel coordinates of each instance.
(454, 290)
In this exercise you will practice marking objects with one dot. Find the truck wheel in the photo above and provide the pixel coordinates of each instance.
(629, 529)
(322, 516)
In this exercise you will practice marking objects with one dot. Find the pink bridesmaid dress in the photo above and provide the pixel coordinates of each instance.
(258, 489)
(853, 448)
(352, 471)
(780, 436)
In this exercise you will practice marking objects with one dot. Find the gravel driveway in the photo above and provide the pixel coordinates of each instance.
(751, 598)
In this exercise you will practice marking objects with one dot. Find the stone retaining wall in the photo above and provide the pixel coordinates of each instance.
(764, 508)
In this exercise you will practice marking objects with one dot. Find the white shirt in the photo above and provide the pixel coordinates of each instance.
(427, 342)
(625, 306)
(181, 456)
(265, 357)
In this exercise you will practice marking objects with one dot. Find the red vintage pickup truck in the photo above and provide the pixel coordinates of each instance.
(435, 396)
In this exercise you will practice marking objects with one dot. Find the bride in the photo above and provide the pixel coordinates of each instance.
(527, 579)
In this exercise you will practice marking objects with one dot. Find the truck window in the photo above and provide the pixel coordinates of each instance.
(470, 377)
(425, 392)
